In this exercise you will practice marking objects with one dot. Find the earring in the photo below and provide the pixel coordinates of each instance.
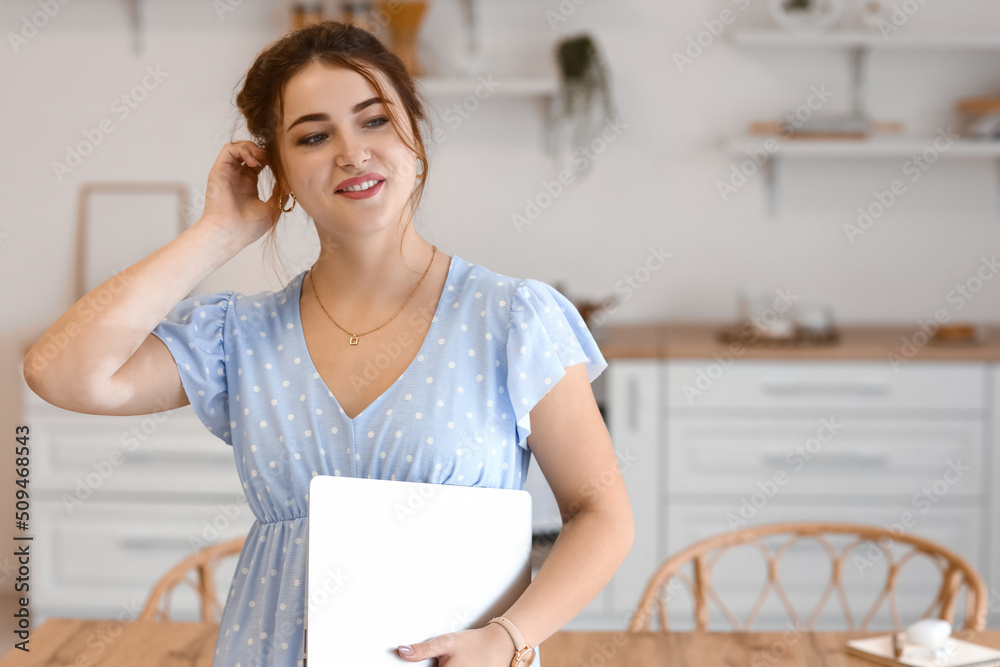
(293, 203)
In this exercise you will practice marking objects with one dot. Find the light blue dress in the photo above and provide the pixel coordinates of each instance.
(457, 415)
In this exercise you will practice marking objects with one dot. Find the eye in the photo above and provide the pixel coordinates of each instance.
(307, 141)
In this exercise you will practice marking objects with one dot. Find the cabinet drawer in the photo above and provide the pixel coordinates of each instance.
(841, 456)
(739, 575)
(718, 383)
(162, 452)
(104, 555)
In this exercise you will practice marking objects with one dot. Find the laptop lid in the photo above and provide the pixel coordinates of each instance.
(391, 562)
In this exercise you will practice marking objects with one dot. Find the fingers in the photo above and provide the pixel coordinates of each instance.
(248, 153)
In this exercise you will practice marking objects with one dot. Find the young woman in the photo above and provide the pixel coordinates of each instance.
(387, 358)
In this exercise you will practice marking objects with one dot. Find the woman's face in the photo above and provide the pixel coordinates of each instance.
(351, 137)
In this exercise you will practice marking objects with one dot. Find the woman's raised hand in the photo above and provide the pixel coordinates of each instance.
(231, 199)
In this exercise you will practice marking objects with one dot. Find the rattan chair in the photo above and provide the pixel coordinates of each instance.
(201, 564)
(702, 556)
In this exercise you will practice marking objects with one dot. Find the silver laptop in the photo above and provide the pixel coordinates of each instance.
(392, 563)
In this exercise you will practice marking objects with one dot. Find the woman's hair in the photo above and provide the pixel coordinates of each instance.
(335, 44)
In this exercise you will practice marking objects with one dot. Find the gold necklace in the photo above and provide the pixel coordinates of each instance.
(354, 337)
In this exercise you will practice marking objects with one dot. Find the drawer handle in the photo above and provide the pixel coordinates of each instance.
(845, 388)
(879, 459)
(177, 457)
(150, 543)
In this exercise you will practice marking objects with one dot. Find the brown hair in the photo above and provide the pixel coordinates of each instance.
(336, 44)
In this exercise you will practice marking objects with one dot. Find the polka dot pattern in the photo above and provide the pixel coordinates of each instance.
(546, 335)
(494, 347)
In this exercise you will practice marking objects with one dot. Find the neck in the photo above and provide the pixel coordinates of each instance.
(365, 281)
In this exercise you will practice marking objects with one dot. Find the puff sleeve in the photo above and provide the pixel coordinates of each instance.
(194, 332)
(545, 335)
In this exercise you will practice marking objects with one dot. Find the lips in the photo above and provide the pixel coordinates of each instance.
(358, 180)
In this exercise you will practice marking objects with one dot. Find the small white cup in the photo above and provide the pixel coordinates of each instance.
(929, 632)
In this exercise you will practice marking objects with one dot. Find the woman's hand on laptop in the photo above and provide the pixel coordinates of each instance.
(489, 646)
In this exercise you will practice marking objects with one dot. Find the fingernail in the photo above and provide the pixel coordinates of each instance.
(405, 650)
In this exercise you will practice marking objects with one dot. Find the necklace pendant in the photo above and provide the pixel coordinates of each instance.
(354, 339)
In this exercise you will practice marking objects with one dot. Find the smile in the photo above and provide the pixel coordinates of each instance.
(362, 191)
(359, 188)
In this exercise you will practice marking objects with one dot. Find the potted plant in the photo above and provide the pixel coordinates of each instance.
(583, 77)
(806, 15)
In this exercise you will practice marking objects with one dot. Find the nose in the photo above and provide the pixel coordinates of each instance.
(352, 151)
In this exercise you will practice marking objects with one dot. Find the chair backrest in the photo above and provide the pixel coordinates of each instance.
(201, 565)
(669, 578)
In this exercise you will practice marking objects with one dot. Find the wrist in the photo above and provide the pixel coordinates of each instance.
(500, 640)
(223, 234)
(524, 654)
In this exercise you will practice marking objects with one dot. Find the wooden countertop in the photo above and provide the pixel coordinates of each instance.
(699, 340)
(111, 643)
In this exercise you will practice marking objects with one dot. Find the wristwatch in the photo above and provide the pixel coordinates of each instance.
(524, 655)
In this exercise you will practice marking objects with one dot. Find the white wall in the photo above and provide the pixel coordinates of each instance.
(656, 185)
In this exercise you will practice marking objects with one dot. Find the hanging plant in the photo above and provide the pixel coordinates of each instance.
(583, 75)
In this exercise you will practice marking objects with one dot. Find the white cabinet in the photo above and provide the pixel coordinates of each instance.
(823, 385)
(103, 559)
(837, 455)
(758, 441)
(633, 397)
(118, 501)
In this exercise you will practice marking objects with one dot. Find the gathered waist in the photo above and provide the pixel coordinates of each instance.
(266, 521)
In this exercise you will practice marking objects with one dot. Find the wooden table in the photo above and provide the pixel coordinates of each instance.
(102, 643)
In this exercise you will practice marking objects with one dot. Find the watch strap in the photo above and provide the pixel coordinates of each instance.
(520, 646)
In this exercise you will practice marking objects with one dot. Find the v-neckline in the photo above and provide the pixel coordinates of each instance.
(297, 315)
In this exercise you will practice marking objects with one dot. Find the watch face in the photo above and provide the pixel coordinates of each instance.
(528, 657)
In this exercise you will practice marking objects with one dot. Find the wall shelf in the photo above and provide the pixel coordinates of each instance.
(514, 86)
(544, 87)
(859, 45)
(888, 146)
(839, 39)
(892, 146)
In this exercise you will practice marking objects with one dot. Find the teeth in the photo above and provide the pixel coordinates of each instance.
(359, 188)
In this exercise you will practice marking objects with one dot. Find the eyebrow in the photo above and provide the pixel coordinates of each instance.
(358, 108)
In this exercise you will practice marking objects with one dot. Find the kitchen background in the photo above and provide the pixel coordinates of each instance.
(660, 218)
